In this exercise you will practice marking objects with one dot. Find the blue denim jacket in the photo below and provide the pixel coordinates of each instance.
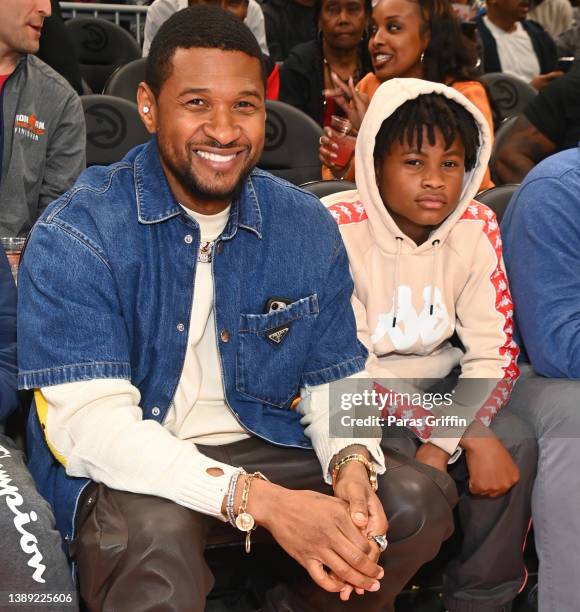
(106, 290)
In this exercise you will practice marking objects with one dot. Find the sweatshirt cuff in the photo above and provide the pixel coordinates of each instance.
(316, 418)
(326, 448)
(449, 445)
(197, 490)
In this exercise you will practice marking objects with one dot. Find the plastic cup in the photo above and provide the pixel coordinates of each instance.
(345, 139)
(13, 248)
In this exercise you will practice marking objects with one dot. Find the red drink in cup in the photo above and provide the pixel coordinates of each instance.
(13, 248)
(344, 137)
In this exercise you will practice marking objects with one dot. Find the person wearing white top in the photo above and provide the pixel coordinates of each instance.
(555, 16)
(249, 11)
(516, 46)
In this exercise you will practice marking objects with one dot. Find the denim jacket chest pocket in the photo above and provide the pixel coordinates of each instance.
(272, 349)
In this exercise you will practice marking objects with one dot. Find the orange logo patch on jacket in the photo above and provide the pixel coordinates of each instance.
(29, 126)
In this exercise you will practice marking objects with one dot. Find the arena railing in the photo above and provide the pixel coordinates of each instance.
(132, 13)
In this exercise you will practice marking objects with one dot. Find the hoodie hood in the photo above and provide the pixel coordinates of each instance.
(387, 99)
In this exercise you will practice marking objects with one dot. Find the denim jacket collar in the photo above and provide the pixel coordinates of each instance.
(156, 202)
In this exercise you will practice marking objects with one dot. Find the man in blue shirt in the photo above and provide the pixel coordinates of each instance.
(541, 233)
(172, 308)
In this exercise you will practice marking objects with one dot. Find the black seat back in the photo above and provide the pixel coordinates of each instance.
(101, 47)
(124, 81)
(113, 128)
(322, 189)
(291, 147)
(497, 198)
(509, 95)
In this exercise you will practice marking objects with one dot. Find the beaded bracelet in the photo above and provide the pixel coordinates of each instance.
(232, 495)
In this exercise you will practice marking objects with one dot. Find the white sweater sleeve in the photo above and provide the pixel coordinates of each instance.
(315, 408)
(96, 429)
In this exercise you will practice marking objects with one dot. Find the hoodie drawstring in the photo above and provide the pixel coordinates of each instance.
(399, 240)
(435, 245)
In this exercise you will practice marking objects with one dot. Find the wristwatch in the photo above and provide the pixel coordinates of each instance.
(371, 471)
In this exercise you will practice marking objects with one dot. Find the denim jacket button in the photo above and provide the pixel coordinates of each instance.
(155, 411)
(225, 335)
(180, 327)
(220, 248)
(188, 239)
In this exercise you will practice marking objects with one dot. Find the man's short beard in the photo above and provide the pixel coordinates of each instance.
(197, 191)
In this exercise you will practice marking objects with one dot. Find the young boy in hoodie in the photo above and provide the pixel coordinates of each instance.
(427, 264)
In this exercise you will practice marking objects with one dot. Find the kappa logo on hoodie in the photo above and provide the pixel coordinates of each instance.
(29, 126)
(405, 326)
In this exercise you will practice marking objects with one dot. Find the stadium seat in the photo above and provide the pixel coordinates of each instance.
(101, 47)
(124, 81)
(113, 127)
(324, 188)
(291, 147)
(509, 95)
(497, 198)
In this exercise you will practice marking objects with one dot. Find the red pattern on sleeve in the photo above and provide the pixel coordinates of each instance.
(504, 305)
(345, 213)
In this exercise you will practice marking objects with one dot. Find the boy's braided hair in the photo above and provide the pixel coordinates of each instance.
(431, 111)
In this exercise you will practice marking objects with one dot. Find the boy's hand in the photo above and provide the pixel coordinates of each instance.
(492, 471)
(432, 455)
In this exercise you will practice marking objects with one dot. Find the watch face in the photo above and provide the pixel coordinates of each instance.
(245, 522)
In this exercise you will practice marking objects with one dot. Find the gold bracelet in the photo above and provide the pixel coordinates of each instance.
(372, 473)
(245, 521)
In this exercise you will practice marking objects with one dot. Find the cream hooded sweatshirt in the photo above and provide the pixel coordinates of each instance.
(409, 300)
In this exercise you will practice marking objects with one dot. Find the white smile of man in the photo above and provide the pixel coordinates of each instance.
(218, 157)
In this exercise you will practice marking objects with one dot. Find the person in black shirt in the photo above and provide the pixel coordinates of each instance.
(513, 44)
(549, 124)
(288, 23)
(340, 48)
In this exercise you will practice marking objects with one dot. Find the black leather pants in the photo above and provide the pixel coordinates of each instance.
(138, 552)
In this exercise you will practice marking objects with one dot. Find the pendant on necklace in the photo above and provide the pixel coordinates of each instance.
(205, 252)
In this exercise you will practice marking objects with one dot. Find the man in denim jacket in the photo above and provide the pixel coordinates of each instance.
(172, 307)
